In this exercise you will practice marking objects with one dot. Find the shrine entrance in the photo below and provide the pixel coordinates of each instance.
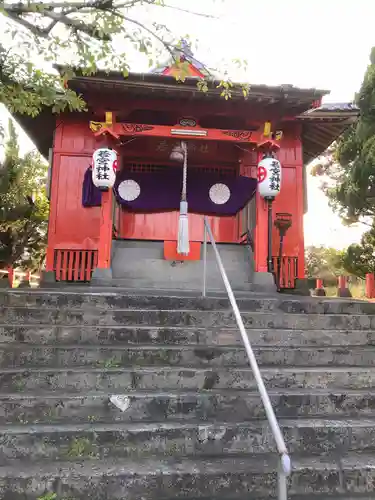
(163, 225)
(144, 251)
(153, 165)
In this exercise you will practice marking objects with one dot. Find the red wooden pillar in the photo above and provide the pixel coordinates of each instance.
(319, 290)
(105, 233)
(25, 280)
(298, 221)
(261, 232)
(10, 276)
(342, 281)
(370, 285)
(53, 200)
(106, 210)
(343, 290)
(319, 283)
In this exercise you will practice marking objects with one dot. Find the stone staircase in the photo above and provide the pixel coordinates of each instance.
(193, 426)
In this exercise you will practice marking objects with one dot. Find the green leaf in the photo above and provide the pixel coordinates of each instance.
(349, 165)
(23, 221)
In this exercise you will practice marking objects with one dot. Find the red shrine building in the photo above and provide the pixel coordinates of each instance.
(128, 236)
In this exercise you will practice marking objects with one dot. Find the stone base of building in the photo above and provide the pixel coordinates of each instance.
(101, 276)
(24, 284)
(48, 280)
(301, 288)
(263, 282)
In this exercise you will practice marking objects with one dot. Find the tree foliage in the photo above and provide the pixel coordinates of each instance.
(350, 163)
(23, 206)
(89, 34)
(324, 263)
(359, 259)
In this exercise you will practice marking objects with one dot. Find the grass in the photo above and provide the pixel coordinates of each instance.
(357, 290)
(81, 447)
(52, 413)
(19, 384)
(109, 363)
(48, 496)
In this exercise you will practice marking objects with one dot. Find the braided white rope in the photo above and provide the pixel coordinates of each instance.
(183, 246)
(184, 172)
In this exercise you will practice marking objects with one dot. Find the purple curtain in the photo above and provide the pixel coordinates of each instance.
(91, 195)
(161, 191)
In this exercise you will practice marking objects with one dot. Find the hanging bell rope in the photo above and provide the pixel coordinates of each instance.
(183, 221)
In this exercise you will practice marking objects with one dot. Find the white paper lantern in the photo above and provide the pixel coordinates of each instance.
(269, 177)
(104, 166)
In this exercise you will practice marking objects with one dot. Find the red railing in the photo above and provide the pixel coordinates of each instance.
(15, 274)
(75, 265)
(288, 271)
(370, 285)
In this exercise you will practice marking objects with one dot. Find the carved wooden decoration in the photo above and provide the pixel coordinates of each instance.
(241, 135)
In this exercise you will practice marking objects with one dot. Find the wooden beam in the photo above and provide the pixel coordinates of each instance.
(254, 113)
(118, 130)
(317, 135)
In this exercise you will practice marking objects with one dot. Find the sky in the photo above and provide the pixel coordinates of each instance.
(322, 43)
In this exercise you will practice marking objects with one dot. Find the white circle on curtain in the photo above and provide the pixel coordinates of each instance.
(219, 193)
(129, 190)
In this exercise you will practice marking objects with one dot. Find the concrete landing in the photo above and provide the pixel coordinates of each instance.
(141, 264)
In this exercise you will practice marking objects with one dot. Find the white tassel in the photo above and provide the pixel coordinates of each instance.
(183, 246)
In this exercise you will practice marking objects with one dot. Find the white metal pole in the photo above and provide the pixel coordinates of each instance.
(204, 258)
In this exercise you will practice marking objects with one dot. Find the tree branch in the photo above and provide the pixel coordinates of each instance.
(48, 9)
(167, 46)
(31, 27)
(15, 11)
(39, 7)
(365, 223)
(79, 25)
(187, 11)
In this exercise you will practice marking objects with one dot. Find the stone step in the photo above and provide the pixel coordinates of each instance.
(194, 280)
(314, 496)
(182, 439)
(94, 407)
(184, 335)
(114, 300)
(96, 356)
(183, 378)
(192, 318)
(317, 496)
(252, 302)
(185, 478)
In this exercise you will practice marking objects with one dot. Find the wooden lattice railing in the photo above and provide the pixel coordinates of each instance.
(75, 265)
(288, 270)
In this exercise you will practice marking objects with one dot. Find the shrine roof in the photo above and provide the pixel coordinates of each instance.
(323, 125)
(184, 53)
(320, 125)
(160, 85)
